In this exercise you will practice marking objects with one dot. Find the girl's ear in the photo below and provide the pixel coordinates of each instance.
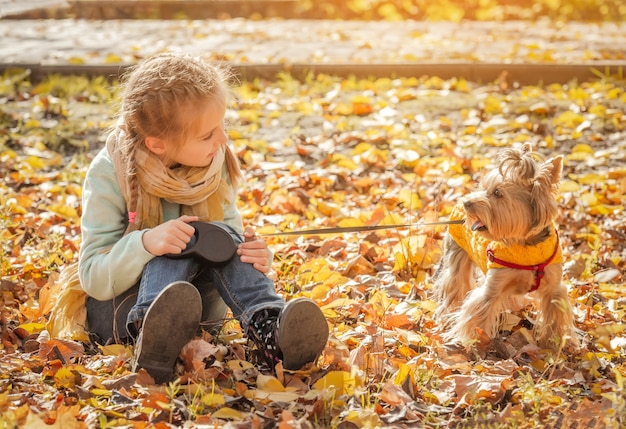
(155, 145)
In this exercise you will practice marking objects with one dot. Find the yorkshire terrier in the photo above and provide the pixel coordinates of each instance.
(509, 233)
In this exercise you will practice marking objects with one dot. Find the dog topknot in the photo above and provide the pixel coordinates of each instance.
(518, 165)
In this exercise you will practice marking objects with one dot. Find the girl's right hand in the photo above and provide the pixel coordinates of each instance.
(169, 237)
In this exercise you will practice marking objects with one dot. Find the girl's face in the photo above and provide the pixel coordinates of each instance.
(206, 136)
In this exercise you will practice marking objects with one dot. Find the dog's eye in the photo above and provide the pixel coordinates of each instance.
(497, 193)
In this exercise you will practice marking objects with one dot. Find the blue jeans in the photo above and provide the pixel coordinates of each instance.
(243, 288)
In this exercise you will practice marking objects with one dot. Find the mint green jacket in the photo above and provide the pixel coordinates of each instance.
(110, 262)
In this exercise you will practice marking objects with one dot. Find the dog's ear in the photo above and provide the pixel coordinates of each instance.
(548, 176)
(552, 168)
(544, 189)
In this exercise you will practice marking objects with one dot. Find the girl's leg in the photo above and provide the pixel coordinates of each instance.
(294, 333)
(245, 289)
(106, 320)
(214, 309)
(172, 320)
(114, 320)
(169, 308)
(157, 274)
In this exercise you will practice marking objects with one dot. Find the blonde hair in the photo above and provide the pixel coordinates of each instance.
(155, 96)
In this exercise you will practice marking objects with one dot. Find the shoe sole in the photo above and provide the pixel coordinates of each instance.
(302, 333)
(171, 322)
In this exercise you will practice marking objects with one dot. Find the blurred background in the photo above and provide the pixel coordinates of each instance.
(431, 10)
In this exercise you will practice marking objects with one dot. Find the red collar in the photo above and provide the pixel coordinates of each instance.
(538, 269)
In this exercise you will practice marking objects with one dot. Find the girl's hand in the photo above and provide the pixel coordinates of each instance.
(254, 251)
(169, 237)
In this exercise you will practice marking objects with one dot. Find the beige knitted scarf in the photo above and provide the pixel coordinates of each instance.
(201, 191)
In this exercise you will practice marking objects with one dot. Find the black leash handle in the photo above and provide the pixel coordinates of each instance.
(213, 243)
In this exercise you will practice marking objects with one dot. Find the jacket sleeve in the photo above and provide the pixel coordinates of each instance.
(109, 262)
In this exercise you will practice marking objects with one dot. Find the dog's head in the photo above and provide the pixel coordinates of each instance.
(516, 201)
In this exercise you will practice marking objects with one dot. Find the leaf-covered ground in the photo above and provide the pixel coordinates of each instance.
(321, 153)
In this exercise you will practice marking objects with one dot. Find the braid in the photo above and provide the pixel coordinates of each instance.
(233, 167)
(133, 186)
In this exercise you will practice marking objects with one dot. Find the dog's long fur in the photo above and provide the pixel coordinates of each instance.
(515, 206)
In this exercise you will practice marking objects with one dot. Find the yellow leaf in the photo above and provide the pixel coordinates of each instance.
(403, 372)
(35, 162)
(227, 413)
(568, 119)
(584, 148)
(343, 161)
(591, 362)
(76, 60)
(361, 148)
(213, 399)
(67, 378)
(269, 383)
(428, 305)
(33, 328)
(318, 271)
(327, 209)
(343, 109)
(113, 59)
(410, 199)
(591, 179)
(329, 313)
(493, 106)
(113, 350)
(603, 334)
(364, 418)
(341, 302)
(350, 221)
(64, 210)
(342, 381)
(234, 134)
(569, 186)
(101, 392)
(319, 292)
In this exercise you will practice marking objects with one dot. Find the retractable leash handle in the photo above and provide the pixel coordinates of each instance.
(213, 244)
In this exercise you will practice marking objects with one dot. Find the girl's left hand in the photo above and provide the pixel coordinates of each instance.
(255, 251)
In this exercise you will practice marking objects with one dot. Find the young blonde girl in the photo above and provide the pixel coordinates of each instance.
(167, 163)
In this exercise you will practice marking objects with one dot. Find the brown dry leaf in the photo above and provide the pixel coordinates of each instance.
(60, 349)
(195, 352)
(394, 395)
(489, 387)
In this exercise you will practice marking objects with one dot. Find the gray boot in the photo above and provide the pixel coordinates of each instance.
(171, 321)
(297, 334)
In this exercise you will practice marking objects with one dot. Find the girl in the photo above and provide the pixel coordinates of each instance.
(167, 163)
